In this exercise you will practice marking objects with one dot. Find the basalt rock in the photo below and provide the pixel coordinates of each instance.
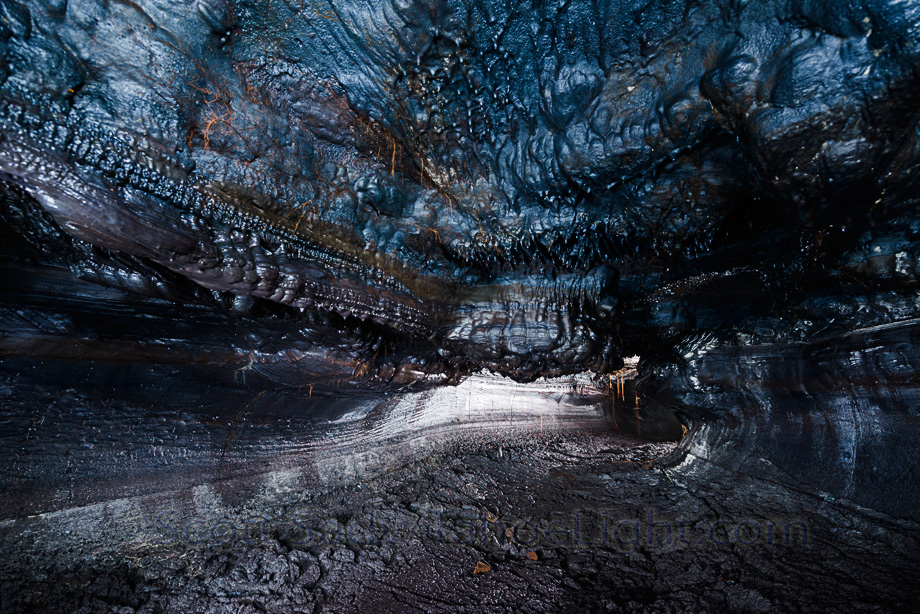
(374, 200)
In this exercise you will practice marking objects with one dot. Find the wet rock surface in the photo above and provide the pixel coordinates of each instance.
(231, 229)
(536, 192)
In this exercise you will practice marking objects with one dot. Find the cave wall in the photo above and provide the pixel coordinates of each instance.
(399, 194)
(835, 418)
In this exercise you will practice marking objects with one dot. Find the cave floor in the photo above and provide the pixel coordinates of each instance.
(588, 521)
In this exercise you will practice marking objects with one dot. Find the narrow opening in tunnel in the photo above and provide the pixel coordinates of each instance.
(632, 414)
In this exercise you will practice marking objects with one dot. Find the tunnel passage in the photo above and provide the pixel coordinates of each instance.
(381, 203)
(95, 410)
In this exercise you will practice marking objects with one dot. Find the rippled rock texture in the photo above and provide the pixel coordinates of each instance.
(297, 221)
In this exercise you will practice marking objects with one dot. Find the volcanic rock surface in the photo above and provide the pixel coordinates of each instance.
(266, 263)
